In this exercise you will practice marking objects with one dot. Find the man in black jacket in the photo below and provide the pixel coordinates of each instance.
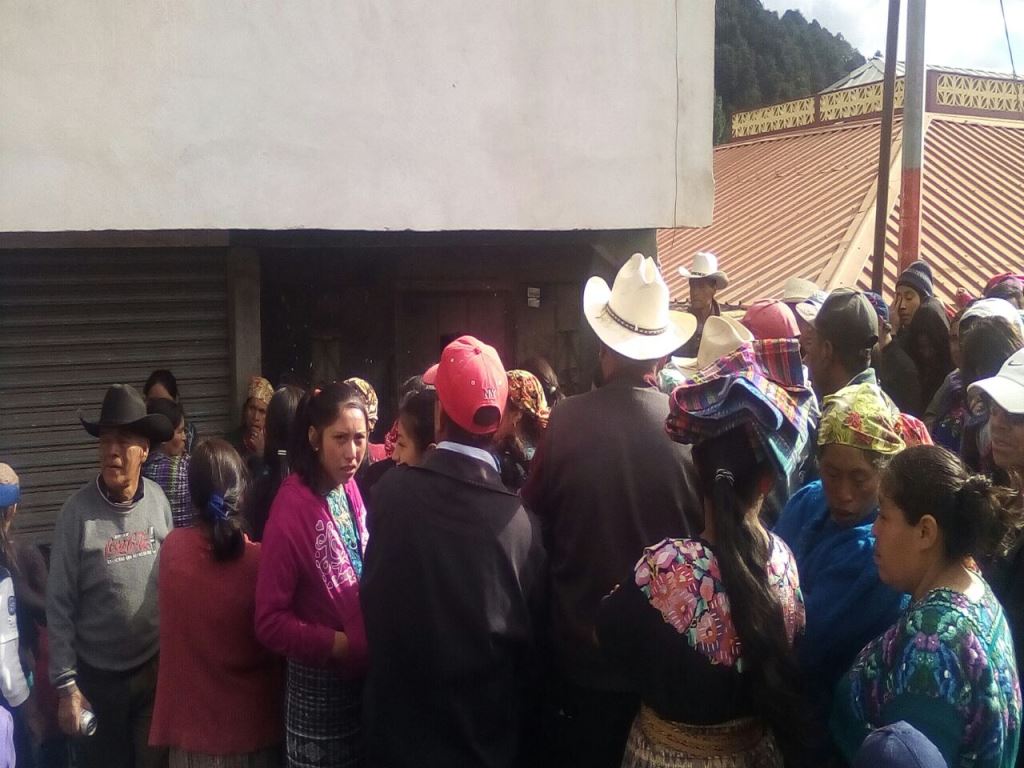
(607, 482)
(451, 588)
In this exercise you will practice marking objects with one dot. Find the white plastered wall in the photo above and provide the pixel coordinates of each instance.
(355, 114)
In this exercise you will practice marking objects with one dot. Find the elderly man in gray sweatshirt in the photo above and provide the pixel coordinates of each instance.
(102, 594)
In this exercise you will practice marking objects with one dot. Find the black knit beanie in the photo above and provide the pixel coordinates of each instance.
(919, 277)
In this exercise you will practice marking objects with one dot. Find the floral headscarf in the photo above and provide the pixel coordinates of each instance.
(369, 394)
(525, 390)
(862, 417)
(260, 389)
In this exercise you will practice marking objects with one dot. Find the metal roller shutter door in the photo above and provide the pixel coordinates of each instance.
(74, 322)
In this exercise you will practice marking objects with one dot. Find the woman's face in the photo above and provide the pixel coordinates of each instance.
(898, 552)
(255, 414)
(1007, 432)
(341, 445)
(406, 450)
(909, 301)
(509, 423)
(176, 445)
(850, 482)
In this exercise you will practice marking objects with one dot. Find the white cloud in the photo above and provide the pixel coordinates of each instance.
(958, 34)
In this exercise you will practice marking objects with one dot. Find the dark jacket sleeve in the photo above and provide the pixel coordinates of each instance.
(622, 612)
(897, 375)
(30, 586)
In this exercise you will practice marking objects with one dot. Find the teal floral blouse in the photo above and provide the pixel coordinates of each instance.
(341, 511)
(946, 667)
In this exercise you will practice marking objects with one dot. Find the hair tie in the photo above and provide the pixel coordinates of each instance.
(726, 475)
(974, 486)
(10, 494)
(216, 508)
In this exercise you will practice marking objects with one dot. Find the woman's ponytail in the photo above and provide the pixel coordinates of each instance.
(988, 517)
(217, 483)
(730, 475)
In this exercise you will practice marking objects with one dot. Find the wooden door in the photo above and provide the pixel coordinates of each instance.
(427, 320)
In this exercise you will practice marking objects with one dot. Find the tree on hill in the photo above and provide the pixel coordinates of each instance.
(762, 59)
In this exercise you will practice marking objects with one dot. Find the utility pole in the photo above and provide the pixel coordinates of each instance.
(892, 35)
(913, 137)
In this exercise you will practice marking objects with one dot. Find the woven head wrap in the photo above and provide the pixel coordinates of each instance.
(862, 417)
(369, 394)
(526, 391)
(760, 385)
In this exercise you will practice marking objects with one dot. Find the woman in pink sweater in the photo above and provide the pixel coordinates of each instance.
(219, 692)
(307, 594)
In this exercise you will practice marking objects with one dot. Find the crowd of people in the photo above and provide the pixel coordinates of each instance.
(788, 539)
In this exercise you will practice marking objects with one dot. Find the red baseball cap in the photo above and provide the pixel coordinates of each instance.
(769, 319)
(471, 385)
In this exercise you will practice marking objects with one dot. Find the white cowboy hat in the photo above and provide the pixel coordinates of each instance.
(632, 317)
(705, 265)
(722, 336)
(797, 289)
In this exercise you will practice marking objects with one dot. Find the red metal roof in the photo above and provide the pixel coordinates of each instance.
(972, 205)
(783, 205)
(789, 205)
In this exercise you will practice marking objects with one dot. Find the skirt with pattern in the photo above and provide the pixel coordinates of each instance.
(265, 758)
(322, 719)
(657, 743)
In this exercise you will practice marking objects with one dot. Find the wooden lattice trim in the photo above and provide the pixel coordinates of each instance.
(789, 114)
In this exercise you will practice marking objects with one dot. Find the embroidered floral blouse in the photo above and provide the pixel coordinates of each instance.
(669, 627)
(337, 503)
(947, 668)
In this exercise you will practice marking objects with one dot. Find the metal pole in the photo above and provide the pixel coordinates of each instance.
(913, 137)
(885, 147)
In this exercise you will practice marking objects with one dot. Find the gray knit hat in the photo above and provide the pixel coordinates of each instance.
(919, 277)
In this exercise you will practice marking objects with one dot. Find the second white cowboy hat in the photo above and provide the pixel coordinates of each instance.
(722, 336)
(797, 289)
(705, 265)
(632, 317)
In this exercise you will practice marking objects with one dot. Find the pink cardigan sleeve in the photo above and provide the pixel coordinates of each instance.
(278, 628)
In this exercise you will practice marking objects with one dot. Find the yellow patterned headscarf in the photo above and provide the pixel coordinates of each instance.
(525, 390)
(260, 389)
(369, 394)
(862, 417)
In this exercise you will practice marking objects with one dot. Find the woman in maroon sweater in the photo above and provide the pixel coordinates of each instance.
(219, 692)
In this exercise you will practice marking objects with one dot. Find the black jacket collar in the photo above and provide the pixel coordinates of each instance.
(464, 469)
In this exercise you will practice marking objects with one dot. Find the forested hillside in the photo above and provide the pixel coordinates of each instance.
(763, 59)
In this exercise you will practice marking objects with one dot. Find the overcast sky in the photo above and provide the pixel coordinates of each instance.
(959, 33)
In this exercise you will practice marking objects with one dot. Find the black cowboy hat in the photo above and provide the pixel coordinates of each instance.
(124, 408)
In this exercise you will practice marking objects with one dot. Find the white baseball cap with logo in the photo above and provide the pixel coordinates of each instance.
(1007, 387)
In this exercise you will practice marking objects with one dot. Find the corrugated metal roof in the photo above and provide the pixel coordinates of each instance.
(783, 206)
(870, 71)
(972, 205)
(873, 71)
(788, 205)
